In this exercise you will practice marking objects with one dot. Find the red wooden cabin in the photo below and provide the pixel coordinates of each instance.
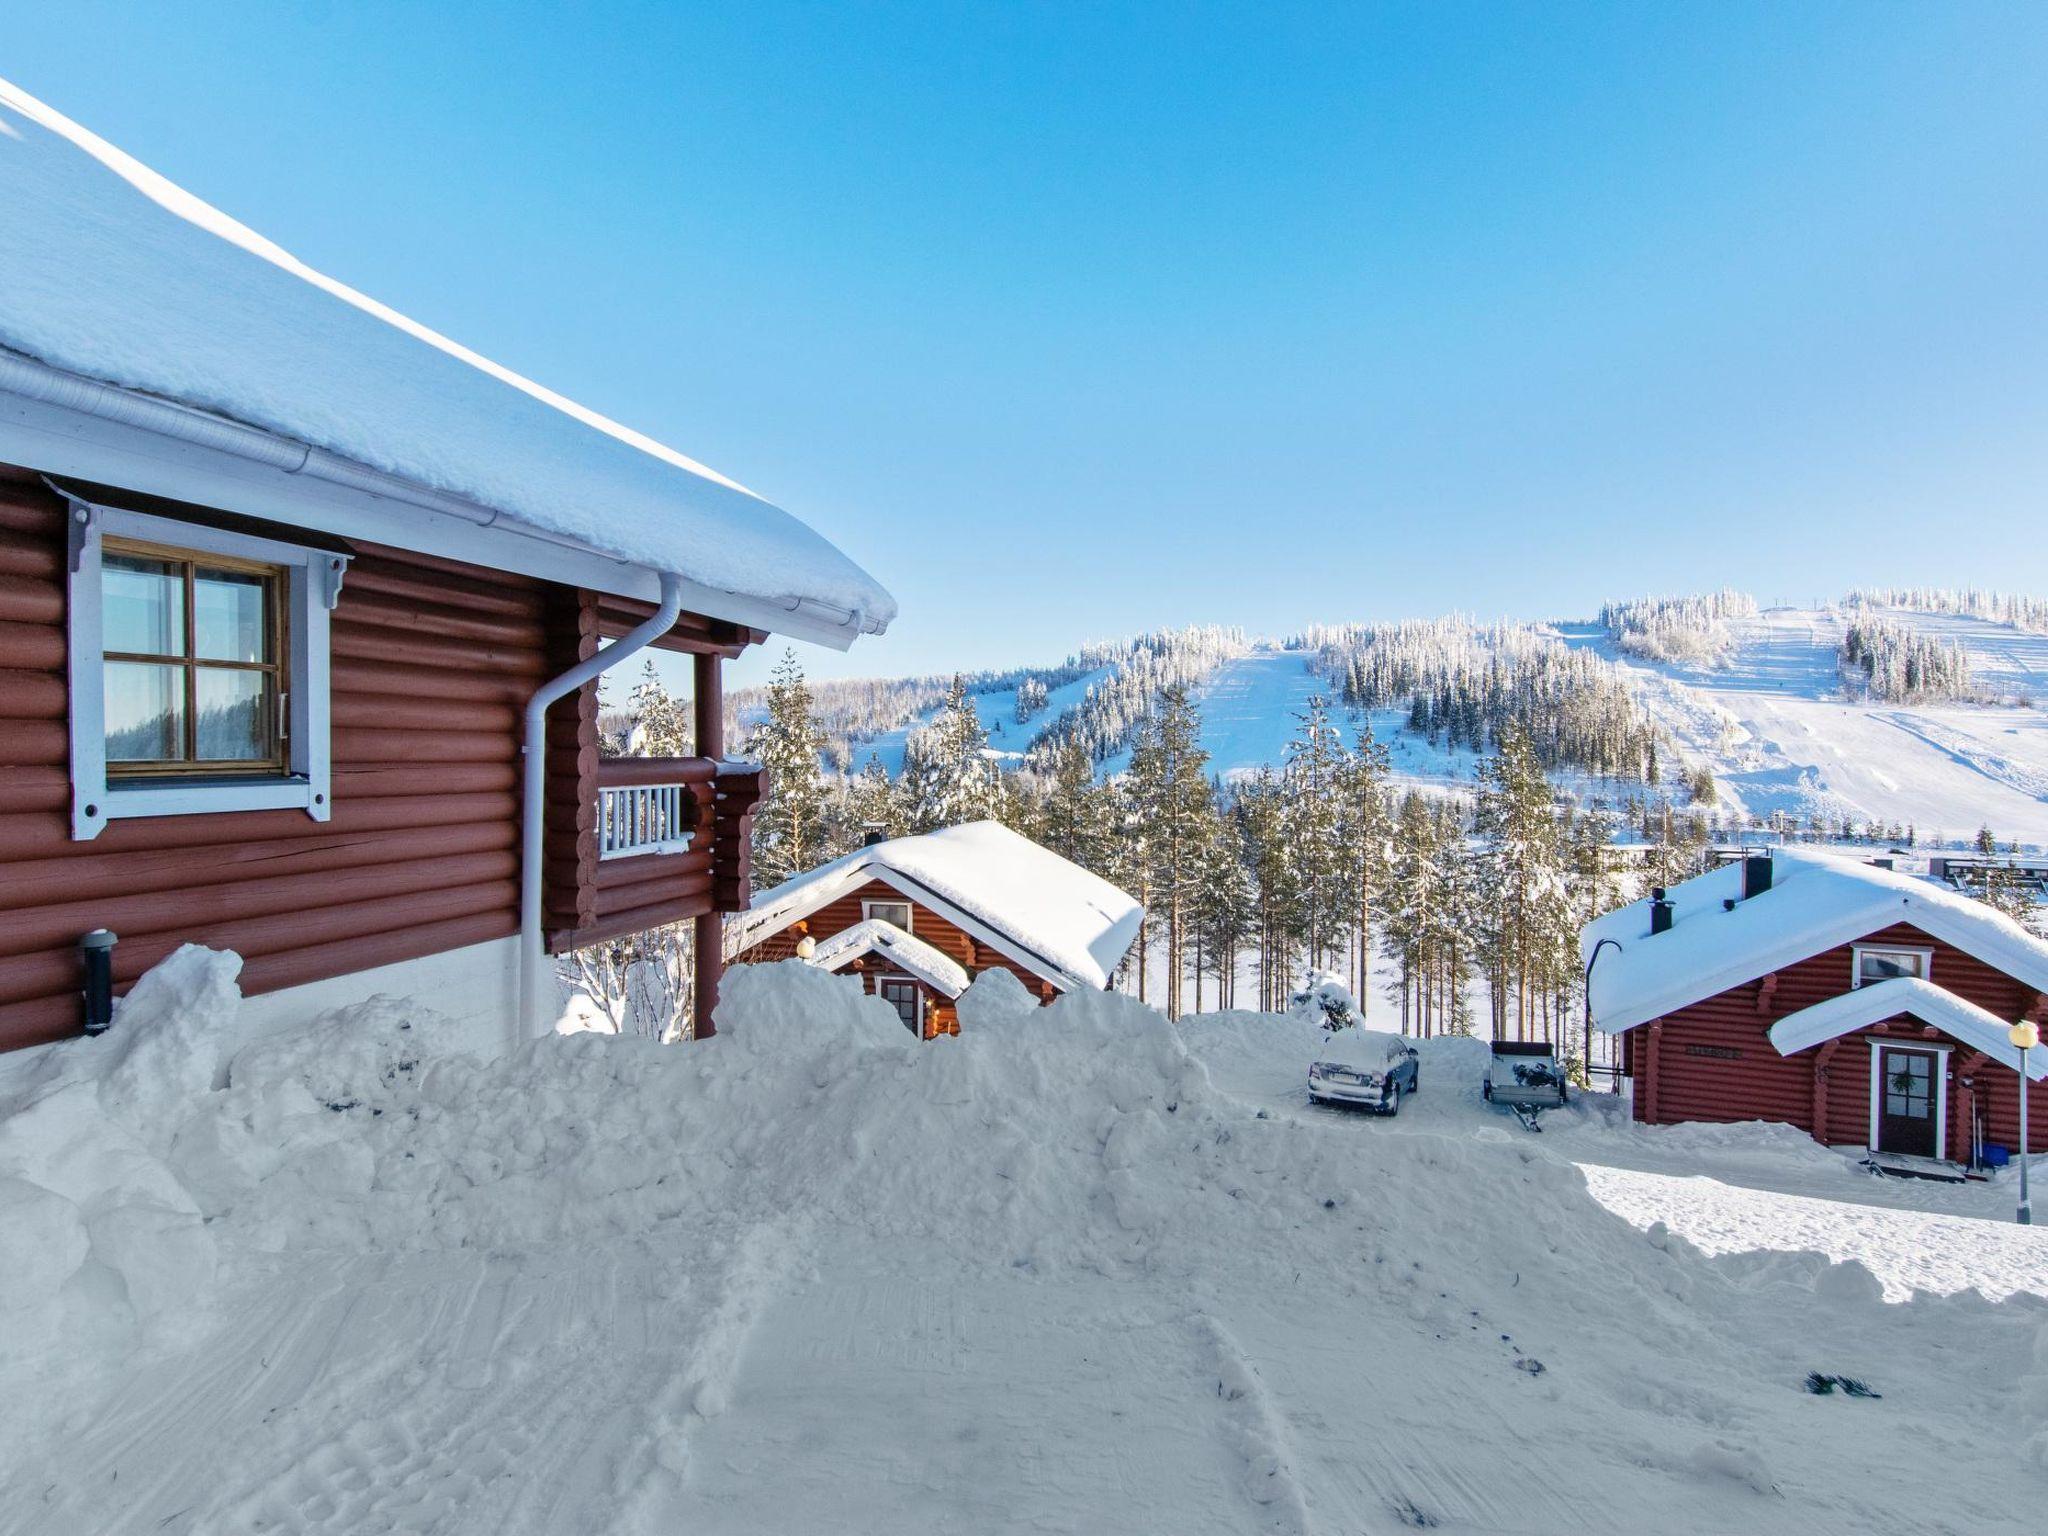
(1868, 1007)
(917, 918)
(302, 609)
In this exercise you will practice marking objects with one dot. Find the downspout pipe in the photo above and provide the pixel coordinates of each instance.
(533, 977)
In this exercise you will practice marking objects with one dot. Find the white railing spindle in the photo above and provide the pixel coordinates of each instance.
(643, 818)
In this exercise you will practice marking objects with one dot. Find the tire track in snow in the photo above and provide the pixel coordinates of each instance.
(1253, 1427)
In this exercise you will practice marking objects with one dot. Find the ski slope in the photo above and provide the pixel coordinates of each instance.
(1772, 724)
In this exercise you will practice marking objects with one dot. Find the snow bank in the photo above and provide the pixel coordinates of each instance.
(1297, 1258)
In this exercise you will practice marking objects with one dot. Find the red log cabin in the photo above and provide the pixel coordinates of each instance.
(918, 918)
(302, 612)
(1868, 1007)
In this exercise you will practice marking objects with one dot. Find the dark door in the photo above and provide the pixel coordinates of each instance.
(1906, 1087)
(902, 995)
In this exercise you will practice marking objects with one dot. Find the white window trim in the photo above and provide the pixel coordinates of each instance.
(314, 580)
(1858, 951)
(1878, 1046)
(867, 912)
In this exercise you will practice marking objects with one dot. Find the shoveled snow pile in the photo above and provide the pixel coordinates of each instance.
(813, 1275)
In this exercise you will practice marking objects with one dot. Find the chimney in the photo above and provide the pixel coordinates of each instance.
(876, 833)
(1756, 875)
(1660, 911)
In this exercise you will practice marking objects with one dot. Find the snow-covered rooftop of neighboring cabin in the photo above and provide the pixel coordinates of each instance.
(112, 272)
(915, 957)
(1054, 911)
(1978, 1028)
(1816, 902)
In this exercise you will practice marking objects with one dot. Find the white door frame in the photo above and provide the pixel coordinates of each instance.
(1879, 1044)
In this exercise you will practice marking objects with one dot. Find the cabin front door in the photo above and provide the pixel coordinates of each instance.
(1906, 1108)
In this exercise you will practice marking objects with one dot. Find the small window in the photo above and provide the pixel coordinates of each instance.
(1875, 964)
(192, 645)
(198, 668)
(895, 913)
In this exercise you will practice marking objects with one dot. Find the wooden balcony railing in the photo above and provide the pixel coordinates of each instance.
(667, 840)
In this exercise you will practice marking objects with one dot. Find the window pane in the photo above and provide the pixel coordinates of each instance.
(1881, 965)
(145, 712)
(231, 721)
(144, 605)
(228, 616)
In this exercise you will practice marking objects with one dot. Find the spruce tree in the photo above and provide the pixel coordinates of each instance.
(789, 822)
(1175, 805)
(662, 727)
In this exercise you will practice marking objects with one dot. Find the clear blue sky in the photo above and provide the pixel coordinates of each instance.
(1070, 321)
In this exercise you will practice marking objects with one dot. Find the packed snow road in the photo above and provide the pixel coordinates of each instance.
(1077, 1271)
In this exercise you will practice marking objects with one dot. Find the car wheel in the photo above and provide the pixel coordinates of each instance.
(1486, 1092)
(1393, 1105)
(1415, 1083)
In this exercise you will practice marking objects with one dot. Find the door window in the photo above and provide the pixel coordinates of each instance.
(1906, 1104)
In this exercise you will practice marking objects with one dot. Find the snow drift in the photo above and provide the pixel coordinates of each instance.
(1319, 1284)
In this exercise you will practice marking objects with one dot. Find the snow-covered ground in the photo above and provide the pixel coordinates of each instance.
(1077, 1270)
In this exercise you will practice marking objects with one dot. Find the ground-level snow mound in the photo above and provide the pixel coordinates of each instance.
(663, 1239)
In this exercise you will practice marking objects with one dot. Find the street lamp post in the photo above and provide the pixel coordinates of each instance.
(1614, 1076)
(2025, 1035)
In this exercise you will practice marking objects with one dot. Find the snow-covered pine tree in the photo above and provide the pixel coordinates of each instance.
(790, 821)
(871, 801)
(662, 726)
(1314, 783)
(1225, 910)
(1521, 880)
(946, 769)
(1366, 836)
(1259, 815)
(1175, 805)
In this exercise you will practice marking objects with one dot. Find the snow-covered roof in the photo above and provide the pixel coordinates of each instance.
(1048, 914)
(1979, 1028)
(905, 951)
(114, 273)
(1816, 902)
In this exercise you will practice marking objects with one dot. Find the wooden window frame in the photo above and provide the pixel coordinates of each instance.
(275, 761)
(867, 912)
(300, 775)
(1858, 951)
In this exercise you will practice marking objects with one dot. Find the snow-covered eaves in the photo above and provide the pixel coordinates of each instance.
(1051, 916)
(119, 285)
(1816, 902)
(906, 952)
(1978, 1028)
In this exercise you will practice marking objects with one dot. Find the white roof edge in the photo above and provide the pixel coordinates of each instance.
(64, 441)
(1865, 1006)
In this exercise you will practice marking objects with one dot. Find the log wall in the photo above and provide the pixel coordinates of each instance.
(432, 662)
(1713, 1060)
